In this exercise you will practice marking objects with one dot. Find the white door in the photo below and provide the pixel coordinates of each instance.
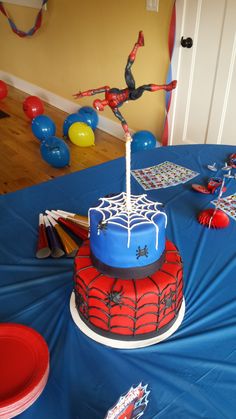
(203, 108)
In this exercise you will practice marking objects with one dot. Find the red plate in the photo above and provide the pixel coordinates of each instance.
(200, 188)
(23, 404)
(24, 360)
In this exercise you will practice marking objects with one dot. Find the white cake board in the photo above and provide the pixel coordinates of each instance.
(121, 344)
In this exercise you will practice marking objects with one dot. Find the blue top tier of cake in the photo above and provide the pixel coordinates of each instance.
(123, 240)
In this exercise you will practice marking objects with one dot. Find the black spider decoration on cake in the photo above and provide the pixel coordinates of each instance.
(81, 304)
(168, 299)
(102, 226)
(142, 252)
(114, 298)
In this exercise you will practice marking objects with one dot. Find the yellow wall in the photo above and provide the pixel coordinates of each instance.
(85, 44)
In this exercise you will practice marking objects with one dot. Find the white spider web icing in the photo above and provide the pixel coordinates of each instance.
(142, 211)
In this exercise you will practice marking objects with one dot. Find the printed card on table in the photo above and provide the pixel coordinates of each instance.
(228, 205)
(163, 175)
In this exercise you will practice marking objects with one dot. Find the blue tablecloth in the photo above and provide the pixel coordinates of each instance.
(190, 375)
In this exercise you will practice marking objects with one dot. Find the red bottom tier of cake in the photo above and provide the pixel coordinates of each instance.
(128, 310)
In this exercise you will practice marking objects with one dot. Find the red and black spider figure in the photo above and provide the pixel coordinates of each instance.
(114, 97)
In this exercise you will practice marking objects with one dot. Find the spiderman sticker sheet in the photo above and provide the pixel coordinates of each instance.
(227, 204)
(163, 175)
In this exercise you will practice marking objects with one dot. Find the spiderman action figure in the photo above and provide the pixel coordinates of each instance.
(114, 97)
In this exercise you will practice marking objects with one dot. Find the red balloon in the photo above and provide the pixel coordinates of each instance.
(33, 106)
(3, 89)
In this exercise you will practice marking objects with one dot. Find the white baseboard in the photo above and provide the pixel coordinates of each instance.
(105, 124)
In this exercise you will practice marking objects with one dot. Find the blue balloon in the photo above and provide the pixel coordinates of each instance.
(43, 127)
(55, 152)
(143, 140)
(71, 119)
(89, 116)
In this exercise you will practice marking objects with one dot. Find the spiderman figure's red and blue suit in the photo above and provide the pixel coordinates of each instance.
(114, 97)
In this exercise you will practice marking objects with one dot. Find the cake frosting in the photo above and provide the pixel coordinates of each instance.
(127, 242)
(129, 309)
(128, 282)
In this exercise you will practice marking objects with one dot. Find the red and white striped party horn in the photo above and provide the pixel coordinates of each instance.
(77, 229)
(70, 246)
(79, 219)
(43, 249)
(55, 244)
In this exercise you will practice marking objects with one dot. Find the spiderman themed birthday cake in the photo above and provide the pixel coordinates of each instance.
(128, 282)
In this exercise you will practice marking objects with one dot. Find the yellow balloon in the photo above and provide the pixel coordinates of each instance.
(81, 134)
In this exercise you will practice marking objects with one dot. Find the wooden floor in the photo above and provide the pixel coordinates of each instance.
(21, 164)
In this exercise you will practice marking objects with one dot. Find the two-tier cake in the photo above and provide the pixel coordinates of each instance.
(128, 281)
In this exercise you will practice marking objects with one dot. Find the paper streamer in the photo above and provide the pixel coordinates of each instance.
(31, 31)
(57, 250)
(70, 246)
(43, 249)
